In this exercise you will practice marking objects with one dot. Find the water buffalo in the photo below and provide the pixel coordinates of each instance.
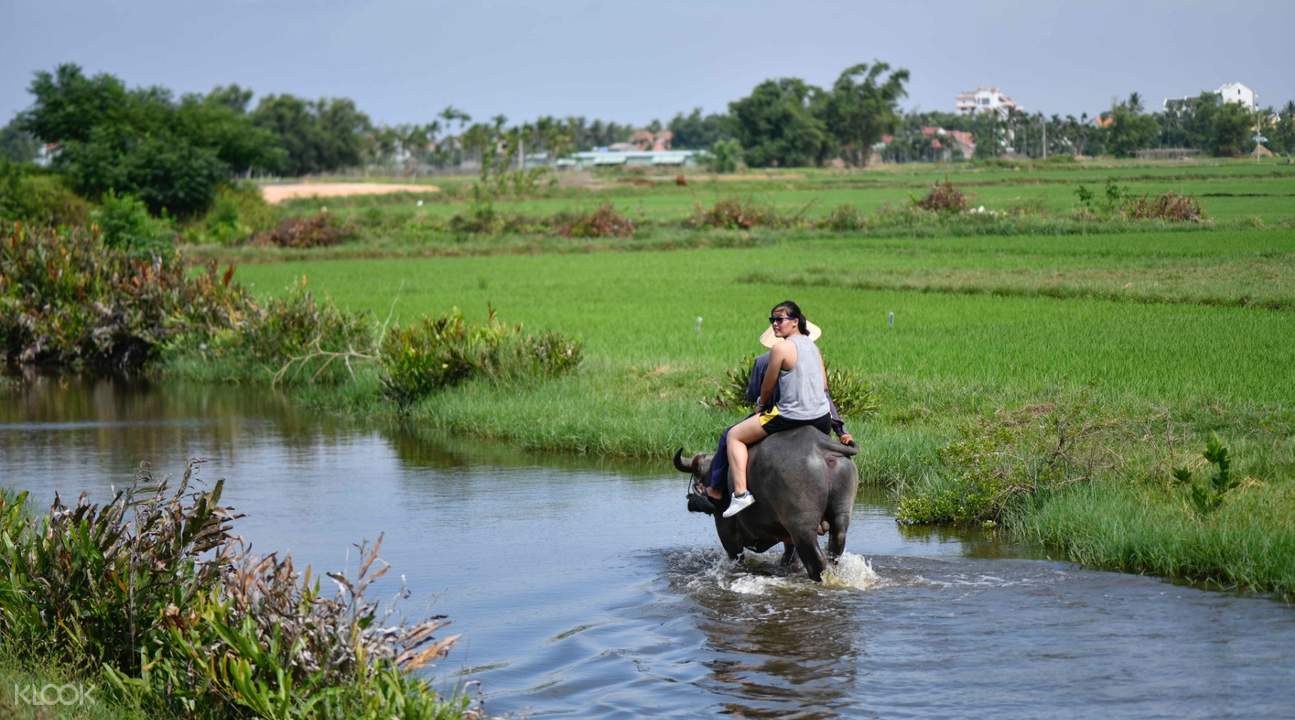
(800, 478)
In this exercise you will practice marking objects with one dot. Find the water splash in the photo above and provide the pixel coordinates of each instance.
(852, 571)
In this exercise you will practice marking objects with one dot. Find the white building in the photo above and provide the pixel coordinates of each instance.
(1238, 93)
(986, 99)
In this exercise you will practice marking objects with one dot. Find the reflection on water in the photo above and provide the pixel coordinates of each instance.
(583, 589)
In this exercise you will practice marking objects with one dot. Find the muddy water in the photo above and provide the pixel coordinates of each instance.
(585, 590)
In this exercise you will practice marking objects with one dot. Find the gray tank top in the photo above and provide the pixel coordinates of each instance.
(801, 395)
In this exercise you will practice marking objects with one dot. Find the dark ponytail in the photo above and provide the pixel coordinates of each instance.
(793, 311)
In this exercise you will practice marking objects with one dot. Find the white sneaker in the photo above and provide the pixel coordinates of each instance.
(739, 503)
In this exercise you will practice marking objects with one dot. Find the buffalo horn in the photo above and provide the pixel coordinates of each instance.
(678, 462)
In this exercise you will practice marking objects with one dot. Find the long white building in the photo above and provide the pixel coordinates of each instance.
(985, 99)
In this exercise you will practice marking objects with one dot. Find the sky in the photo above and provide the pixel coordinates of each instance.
(404, 60)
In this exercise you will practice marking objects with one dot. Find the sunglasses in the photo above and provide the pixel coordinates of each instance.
(775, 319)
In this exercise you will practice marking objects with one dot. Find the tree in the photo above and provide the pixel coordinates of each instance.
(16, 144)
(1282, 136)
(861, 109)
(777, 124)
(141, 141)
(325, 135)
(695, 131)
(1130, 130)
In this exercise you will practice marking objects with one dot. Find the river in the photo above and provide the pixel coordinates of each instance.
(584, 589)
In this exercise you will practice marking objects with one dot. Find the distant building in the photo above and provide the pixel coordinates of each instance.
(1238, 93)
(986, 99)
(46, 153)
(648, 140)
(609, 157)
(1233, 92)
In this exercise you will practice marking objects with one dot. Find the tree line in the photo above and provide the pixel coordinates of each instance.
(172, 152)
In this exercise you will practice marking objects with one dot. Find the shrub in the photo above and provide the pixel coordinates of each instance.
(844, 218)
(319, 230)
(294, 338)
(943, 198)
(733, 214)
(854, 398)
(1206, 497)
(443, 351)
(725, 156)
(1170, 207)
(68, 299)
(732, 388)
(999, 462)
(238, 213)
(603, 222)
(126, 225)
(38, 199)
(154, 591)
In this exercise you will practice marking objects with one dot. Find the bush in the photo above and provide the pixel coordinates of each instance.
(603, 222)
(126, 225)
(318, 230)
(844, 218)
(725, 156)
(733, 214)
(238, 213)
(999, 462)
(155, 592)
(294, 338)
(1169, 207)
(854, 398)
(443, 351)
(38, 199)
(943, 198)
(68, 299)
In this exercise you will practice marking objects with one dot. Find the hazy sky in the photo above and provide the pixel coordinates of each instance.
(403, 60)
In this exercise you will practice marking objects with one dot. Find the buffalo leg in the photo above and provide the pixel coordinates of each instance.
(836, 542)
(788, 553)
(810, 554)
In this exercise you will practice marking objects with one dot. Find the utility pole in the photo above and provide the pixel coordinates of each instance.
(1045, 138)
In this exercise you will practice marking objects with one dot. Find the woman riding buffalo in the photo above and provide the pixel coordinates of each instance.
(796, 372)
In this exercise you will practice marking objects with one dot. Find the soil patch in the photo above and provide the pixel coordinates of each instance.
(279, 193)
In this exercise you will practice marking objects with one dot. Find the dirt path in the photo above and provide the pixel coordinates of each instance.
(279, 193)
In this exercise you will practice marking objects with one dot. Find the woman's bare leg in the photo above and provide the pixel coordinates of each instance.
(747, 432)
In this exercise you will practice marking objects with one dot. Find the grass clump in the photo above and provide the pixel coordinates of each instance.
(1167, 207)
(844, 218)
(734, 214)
(997, 464)
(319, 230)
(294, 338)
(67, 298)
(443, 351)
(154, 593)
(603, 222)
(943, 198)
